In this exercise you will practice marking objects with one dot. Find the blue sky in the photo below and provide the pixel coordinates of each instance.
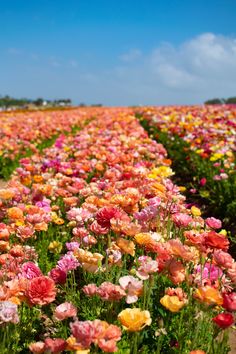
(118, 52)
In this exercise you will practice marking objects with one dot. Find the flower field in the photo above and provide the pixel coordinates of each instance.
(99, 249)
(202, 143)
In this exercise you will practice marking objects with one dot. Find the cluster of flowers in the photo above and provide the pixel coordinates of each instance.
(94, 225)
(210, 130)
(22, 131)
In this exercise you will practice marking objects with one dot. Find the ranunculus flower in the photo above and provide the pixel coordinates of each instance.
(132, 286)
(41, 290)
(229, 301)
(172, 303)
(8, 312)
(215, 240)
(223, 259)
(55, 345)
(209, 295)
(213, 223)
(64, 311)
(224, 320)
(105, 214)
(198, 351)
(134, 319)
(37, 347)
(58, 275)
(30, 270)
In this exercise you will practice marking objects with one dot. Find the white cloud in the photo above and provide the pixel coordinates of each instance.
(131, 56)
(198, 69)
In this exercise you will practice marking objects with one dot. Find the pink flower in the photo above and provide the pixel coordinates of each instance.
(90, 289)
(223, 259)
(68, 262)
(110, 292)
(29, 270)
(132, 286)
(203, 181)
(55, 345)
(37, 347)
(181, 219)
(41, 291)
(64, 311)
(213, 223)
(147, 266)
(98, 229)
(229, 301)
(83, 331)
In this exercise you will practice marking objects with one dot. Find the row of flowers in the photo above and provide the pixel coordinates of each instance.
(99, 251)
(201, 143)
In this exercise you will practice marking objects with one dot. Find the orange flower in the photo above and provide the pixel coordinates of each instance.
(15, 213)
(126, 246)
(134, 319)
(144, 238)
(90, 261)
(172, 303)
(6, 193)
(209, 295)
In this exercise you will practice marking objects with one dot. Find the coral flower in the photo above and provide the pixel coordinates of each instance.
(172, 303)
(134, 319)
(198, 351)
(15, 213)
(215, 240)
(41, 291)
(55, 345)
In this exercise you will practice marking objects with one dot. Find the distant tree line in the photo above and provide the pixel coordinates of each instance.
(9, 102)
(230, 100)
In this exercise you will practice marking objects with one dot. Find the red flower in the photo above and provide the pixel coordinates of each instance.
(58, 275)
(41, 291)
(105, 214)
(215, 240)
(224, 320)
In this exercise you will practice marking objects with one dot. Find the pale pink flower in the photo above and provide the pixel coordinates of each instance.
(37, 347)
(8, 312)
(181, 219)
(132, 286)
(147, 266)
(90, 289)
(65, 310)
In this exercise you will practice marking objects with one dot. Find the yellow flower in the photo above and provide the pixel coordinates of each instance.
(223, 232)
(134, 319)
(172, 303)
(182, 188)
(55, 247)
(162, 171)
(195, 211)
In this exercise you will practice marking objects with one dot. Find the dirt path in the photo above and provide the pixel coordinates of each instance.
(2, 183)
(232, 341)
